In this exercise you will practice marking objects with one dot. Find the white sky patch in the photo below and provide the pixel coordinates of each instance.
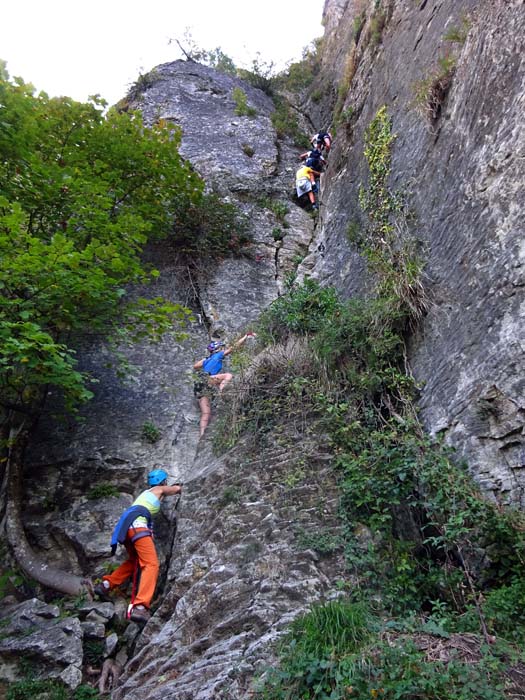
(67, 47)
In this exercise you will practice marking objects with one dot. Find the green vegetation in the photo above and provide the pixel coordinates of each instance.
(458, 34)
(33, 689)
(358, 25)
(430, 92)
(346, 116)
(303, 310)
(343, 88)
(324, 541)
(209, 231)
(85, 692)
(300, 75)
(81, 194)
(364, 34)
(413, 523)
(242, 108)
(216, 58)
(10, 581)
(102, 491)
(260, 75)
(93, 652)
(377, 25)
(391, 254)
(279, 209)
(143, 83)
(231, 494)
(343, 651)
(150, 432)
(285, 122)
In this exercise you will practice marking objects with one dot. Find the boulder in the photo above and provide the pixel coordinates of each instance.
(35, 631)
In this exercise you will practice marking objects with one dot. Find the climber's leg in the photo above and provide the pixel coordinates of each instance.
(205, 406)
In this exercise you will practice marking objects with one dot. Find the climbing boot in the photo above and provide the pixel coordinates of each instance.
(140, 614)
(102, 592)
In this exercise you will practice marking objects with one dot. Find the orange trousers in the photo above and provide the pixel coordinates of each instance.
(144, 553)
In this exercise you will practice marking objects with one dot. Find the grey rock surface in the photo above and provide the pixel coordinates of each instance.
(107, 445)
(34, 630)
(242, 564)
(214, 138)
(242, 571)
(463, 176)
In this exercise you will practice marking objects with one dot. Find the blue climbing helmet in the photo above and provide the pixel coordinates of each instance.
(156, 477)
(215, 345)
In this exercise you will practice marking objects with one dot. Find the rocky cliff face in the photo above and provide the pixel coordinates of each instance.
(242, 565)
(462, 169)
(108, 443)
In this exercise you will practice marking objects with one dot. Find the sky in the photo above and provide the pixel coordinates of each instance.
(78, 49)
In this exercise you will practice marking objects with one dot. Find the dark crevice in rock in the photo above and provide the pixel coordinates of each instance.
(276, 259)
(305, 116)
(197, 297)
(170, 547)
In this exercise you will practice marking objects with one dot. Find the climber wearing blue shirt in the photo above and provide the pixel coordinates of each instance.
(211, 376)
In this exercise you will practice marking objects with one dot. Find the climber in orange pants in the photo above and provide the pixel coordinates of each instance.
(134, 531)
(141, 554)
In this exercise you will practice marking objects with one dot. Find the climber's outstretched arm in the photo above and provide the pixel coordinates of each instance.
(239, 342)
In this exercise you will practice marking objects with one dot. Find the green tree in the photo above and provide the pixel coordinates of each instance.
(218, 59)
(80, 195)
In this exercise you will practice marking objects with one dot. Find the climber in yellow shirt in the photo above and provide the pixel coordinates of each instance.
(305, 183)
(134, 531)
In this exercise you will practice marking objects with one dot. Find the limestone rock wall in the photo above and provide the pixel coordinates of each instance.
(244, 568)
(241, 566)
(463, 176)
(106, 444)
(240, 569)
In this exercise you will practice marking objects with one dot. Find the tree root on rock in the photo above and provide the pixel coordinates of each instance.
(111, 670)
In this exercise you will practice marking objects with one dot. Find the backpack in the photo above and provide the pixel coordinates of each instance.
(319, 138)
